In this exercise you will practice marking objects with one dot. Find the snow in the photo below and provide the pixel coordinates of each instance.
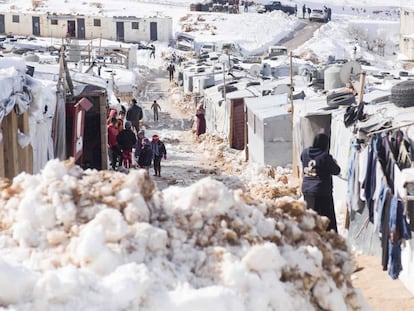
(202, 243)
(88, 240)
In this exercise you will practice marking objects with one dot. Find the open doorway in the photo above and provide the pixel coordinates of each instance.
(86, 131)
(71, 33)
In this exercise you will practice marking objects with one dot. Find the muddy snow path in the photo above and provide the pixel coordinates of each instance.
(190, 158)
(187, 162)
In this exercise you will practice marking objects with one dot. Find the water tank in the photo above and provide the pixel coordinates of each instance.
(31, 57)
(320, 72)
(281, 71)
(332, 78)
(202, 82)
(74, 51)
(266, 70)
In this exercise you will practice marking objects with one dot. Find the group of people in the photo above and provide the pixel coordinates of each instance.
(125, 135)
(305, 10)
(328, 11)
(150, 152)
(171, 70)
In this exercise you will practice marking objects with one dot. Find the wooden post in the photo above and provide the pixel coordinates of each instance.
(246, 135)
(291, 86)
(231, 130)
(60, 87)
(104, 132)
(11, 158)
(26, 153)
(89, 53)
(2, 164)
(295, 166)
(361, 89)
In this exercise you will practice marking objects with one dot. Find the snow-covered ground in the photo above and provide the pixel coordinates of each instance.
(88, 240)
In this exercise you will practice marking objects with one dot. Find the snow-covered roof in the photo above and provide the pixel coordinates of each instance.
(268, 106)
(243, 93)
(312, 106)
(90, 7)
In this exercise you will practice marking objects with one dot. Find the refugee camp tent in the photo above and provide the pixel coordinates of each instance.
(358, 206)
(27, 109)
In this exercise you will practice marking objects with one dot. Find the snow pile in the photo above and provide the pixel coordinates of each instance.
(77, 240)
(339, 37)
(239, 27)
(260, 182)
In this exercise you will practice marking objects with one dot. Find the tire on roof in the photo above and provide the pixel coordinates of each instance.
(345, 99)
(402, 94)
(333, 95)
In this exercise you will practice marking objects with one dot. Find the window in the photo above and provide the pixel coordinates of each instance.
(97, 22)
(16, 18)
(53, 22)
(135, 25)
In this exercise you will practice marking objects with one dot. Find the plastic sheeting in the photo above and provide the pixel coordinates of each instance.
(41, 121)
(11, 83)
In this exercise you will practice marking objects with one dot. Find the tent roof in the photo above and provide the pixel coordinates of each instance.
(268, 106)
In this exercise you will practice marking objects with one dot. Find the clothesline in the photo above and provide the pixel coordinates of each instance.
(390, 129)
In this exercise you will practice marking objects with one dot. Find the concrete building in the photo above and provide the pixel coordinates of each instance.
(407, 33)
(119, 28)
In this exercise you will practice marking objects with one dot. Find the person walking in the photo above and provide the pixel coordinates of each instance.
(134, 115)
(152, 51)
(303, 11)
(120, 120)
(159, 151)
(318, 168)
(146, 156)
(126, 140)
(138, 145)
(171, 70)
(113, 113)
(155, 107)
(201, 120)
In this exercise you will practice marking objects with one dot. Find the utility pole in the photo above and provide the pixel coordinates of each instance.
(224, 81)
(292, 111)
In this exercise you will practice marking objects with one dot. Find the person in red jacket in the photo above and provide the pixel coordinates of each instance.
(201, 120)
(114, 151)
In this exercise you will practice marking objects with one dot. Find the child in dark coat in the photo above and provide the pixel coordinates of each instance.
(126, 140)
(145, 156)
(159, 151)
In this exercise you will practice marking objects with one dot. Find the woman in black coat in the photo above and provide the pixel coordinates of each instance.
(145, 155)
(318, 168)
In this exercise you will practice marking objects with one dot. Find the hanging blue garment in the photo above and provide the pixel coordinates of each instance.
(383, 208)
(398, 230)
(353, 199)
(384, 192)
(369, 182)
